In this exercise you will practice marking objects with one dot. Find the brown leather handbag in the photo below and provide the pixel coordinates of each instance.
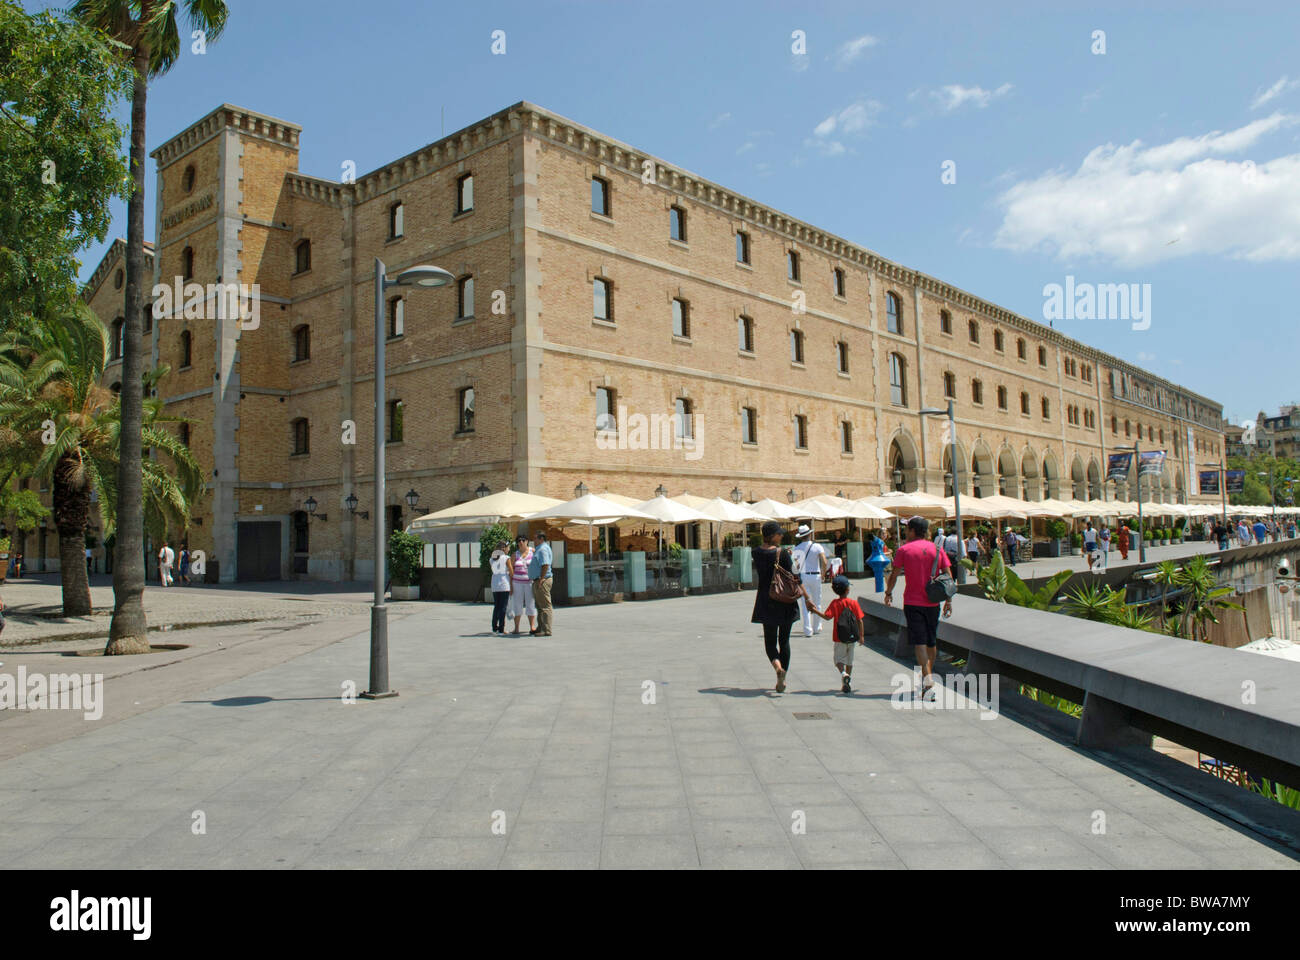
(785, 587)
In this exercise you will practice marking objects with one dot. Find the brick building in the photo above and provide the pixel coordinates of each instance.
(605, 303)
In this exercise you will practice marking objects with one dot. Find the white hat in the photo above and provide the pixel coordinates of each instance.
(803, 531)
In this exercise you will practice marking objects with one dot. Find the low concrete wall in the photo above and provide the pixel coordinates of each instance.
(1238, 707)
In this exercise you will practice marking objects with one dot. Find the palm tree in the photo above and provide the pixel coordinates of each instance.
(146, 31)
(70, 428)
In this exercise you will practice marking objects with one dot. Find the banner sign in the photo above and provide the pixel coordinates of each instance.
(1151, 463)
(1118, 466)
(1236, 481)
(1209, 481)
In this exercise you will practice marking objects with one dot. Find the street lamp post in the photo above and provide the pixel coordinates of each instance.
(421, 276)
(956, 493)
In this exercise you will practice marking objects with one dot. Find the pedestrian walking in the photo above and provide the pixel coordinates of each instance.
(1012, 542)
(1090, 544)
(920, 561)
(521, 601)
(1124, 533)
(185, 563)
(1261, 531)
(776, 616)
(539, 572)
(846, 623)
(973, 549)
(499, 564)
(809, 558)
(89, 562)
(166, 557)
(1220, 533)
(1103, 547)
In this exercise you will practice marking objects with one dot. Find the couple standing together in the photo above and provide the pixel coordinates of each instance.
(522, 583)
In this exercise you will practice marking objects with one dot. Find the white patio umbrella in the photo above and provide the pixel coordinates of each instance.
(814, 509)
(590, 510)
(1006, 507)
(899, 503)
(506, 505)
(724, 511)
(863, 509)
(670, 511)
(620, 499)
(1060, 508)
(774, 509)
(690, 500)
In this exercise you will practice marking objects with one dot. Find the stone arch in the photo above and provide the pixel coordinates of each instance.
(1094, 479)
(982, 479)
(1030, 489)
(1051, 476)
(1078, 489)
(1179, 487)
(963, 474)
(1008, 472)
(901, 461)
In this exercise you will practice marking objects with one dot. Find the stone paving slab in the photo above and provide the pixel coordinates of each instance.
(543, 752)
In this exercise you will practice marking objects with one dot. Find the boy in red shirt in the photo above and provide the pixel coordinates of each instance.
(845, 613)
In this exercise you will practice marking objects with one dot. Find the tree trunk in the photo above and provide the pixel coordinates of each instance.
(129, 631)
(71, 499)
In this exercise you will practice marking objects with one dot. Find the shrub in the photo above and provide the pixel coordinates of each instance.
(404, 557)
(1057, 529)
(1076, 539)
(4, 544)
(487, 542)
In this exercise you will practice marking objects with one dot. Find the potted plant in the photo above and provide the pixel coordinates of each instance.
(1076, 543)
(4, 558)
(1057, 531)
(1164, 537)
(405, 557)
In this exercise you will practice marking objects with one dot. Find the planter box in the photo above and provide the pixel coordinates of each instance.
(404, 593)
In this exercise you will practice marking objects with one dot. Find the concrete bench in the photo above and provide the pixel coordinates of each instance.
(1241, 708)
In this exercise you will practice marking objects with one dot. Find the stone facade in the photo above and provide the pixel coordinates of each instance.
(536, 357)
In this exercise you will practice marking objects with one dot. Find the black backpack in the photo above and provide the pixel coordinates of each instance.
(848, 628)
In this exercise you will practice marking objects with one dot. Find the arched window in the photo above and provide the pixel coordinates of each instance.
(186, 348)
(973, 329)
(950, 384)
(1002, 398)
(185, 434)
(119, 333)
(118, 278)
(302, 256)
(945, 321)
(396, 218)
(897, 380)
(116, 388)
(465, 297)
(187, 180)
(301, 437)
(1042, 356)
(976, 391)
(1020, 348)
(187, 263)
(396, 317)
(302, 342)
(894, 312)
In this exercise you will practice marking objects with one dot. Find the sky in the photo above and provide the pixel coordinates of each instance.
(1000, 147)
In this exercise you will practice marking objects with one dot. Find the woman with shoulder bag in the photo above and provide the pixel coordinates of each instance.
(775, 599)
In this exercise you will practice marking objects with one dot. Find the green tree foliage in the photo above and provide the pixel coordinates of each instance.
(404, 558)
(59, 83)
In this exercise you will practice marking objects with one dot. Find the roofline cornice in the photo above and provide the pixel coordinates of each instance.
(248, 122)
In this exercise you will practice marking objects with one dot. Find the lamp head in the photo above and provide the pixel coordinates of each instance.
(423, 276)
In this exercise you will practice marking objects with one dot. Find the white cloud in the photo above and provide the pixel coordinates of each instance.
(853, 120)
(719, 120)
(848, 52)
(1274, 91)
(1125, 203)
(954, 96)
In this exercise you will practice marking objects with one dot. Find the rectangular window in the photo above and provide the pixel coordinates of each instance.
(976, 392)
(749, 425)
(973, 329)
(464, 298)
(396, 317)
(681, 318)
(950, 385)
(395, 221)
(465, 404)
(945, 321)
(997, 341)
(394, 421)
(302, 259)
(846, 437)
(683, 424)
(796, 346)
(1042, 356)
(800, 432)
(1020, 349)
(606, 411)
(842, 350)
(1047, 408)
(602, 295)
(465, 193)
(1024, 404)
(1002, 398)
(839, 282)
(792, 265)
(742, 247)
(897, 383)
(677, 224)
(745, 326)
(600, 196)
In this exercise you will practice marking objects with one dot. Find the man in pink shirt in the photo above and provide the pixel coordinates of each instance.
(916, 558)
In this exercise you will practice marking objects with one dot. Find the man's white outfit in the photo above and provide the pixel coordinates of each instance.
(808, 561)
(165, 560)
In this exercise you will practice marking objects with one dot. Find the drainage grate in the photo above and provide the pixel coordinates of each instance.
(812, 716)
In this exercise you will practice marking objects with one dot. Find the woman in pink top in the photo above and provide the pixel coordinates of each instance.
(916, 558)
(521, 588)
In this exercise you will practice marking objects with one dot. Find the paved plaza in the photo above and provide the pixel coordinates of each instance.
(639, 735)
